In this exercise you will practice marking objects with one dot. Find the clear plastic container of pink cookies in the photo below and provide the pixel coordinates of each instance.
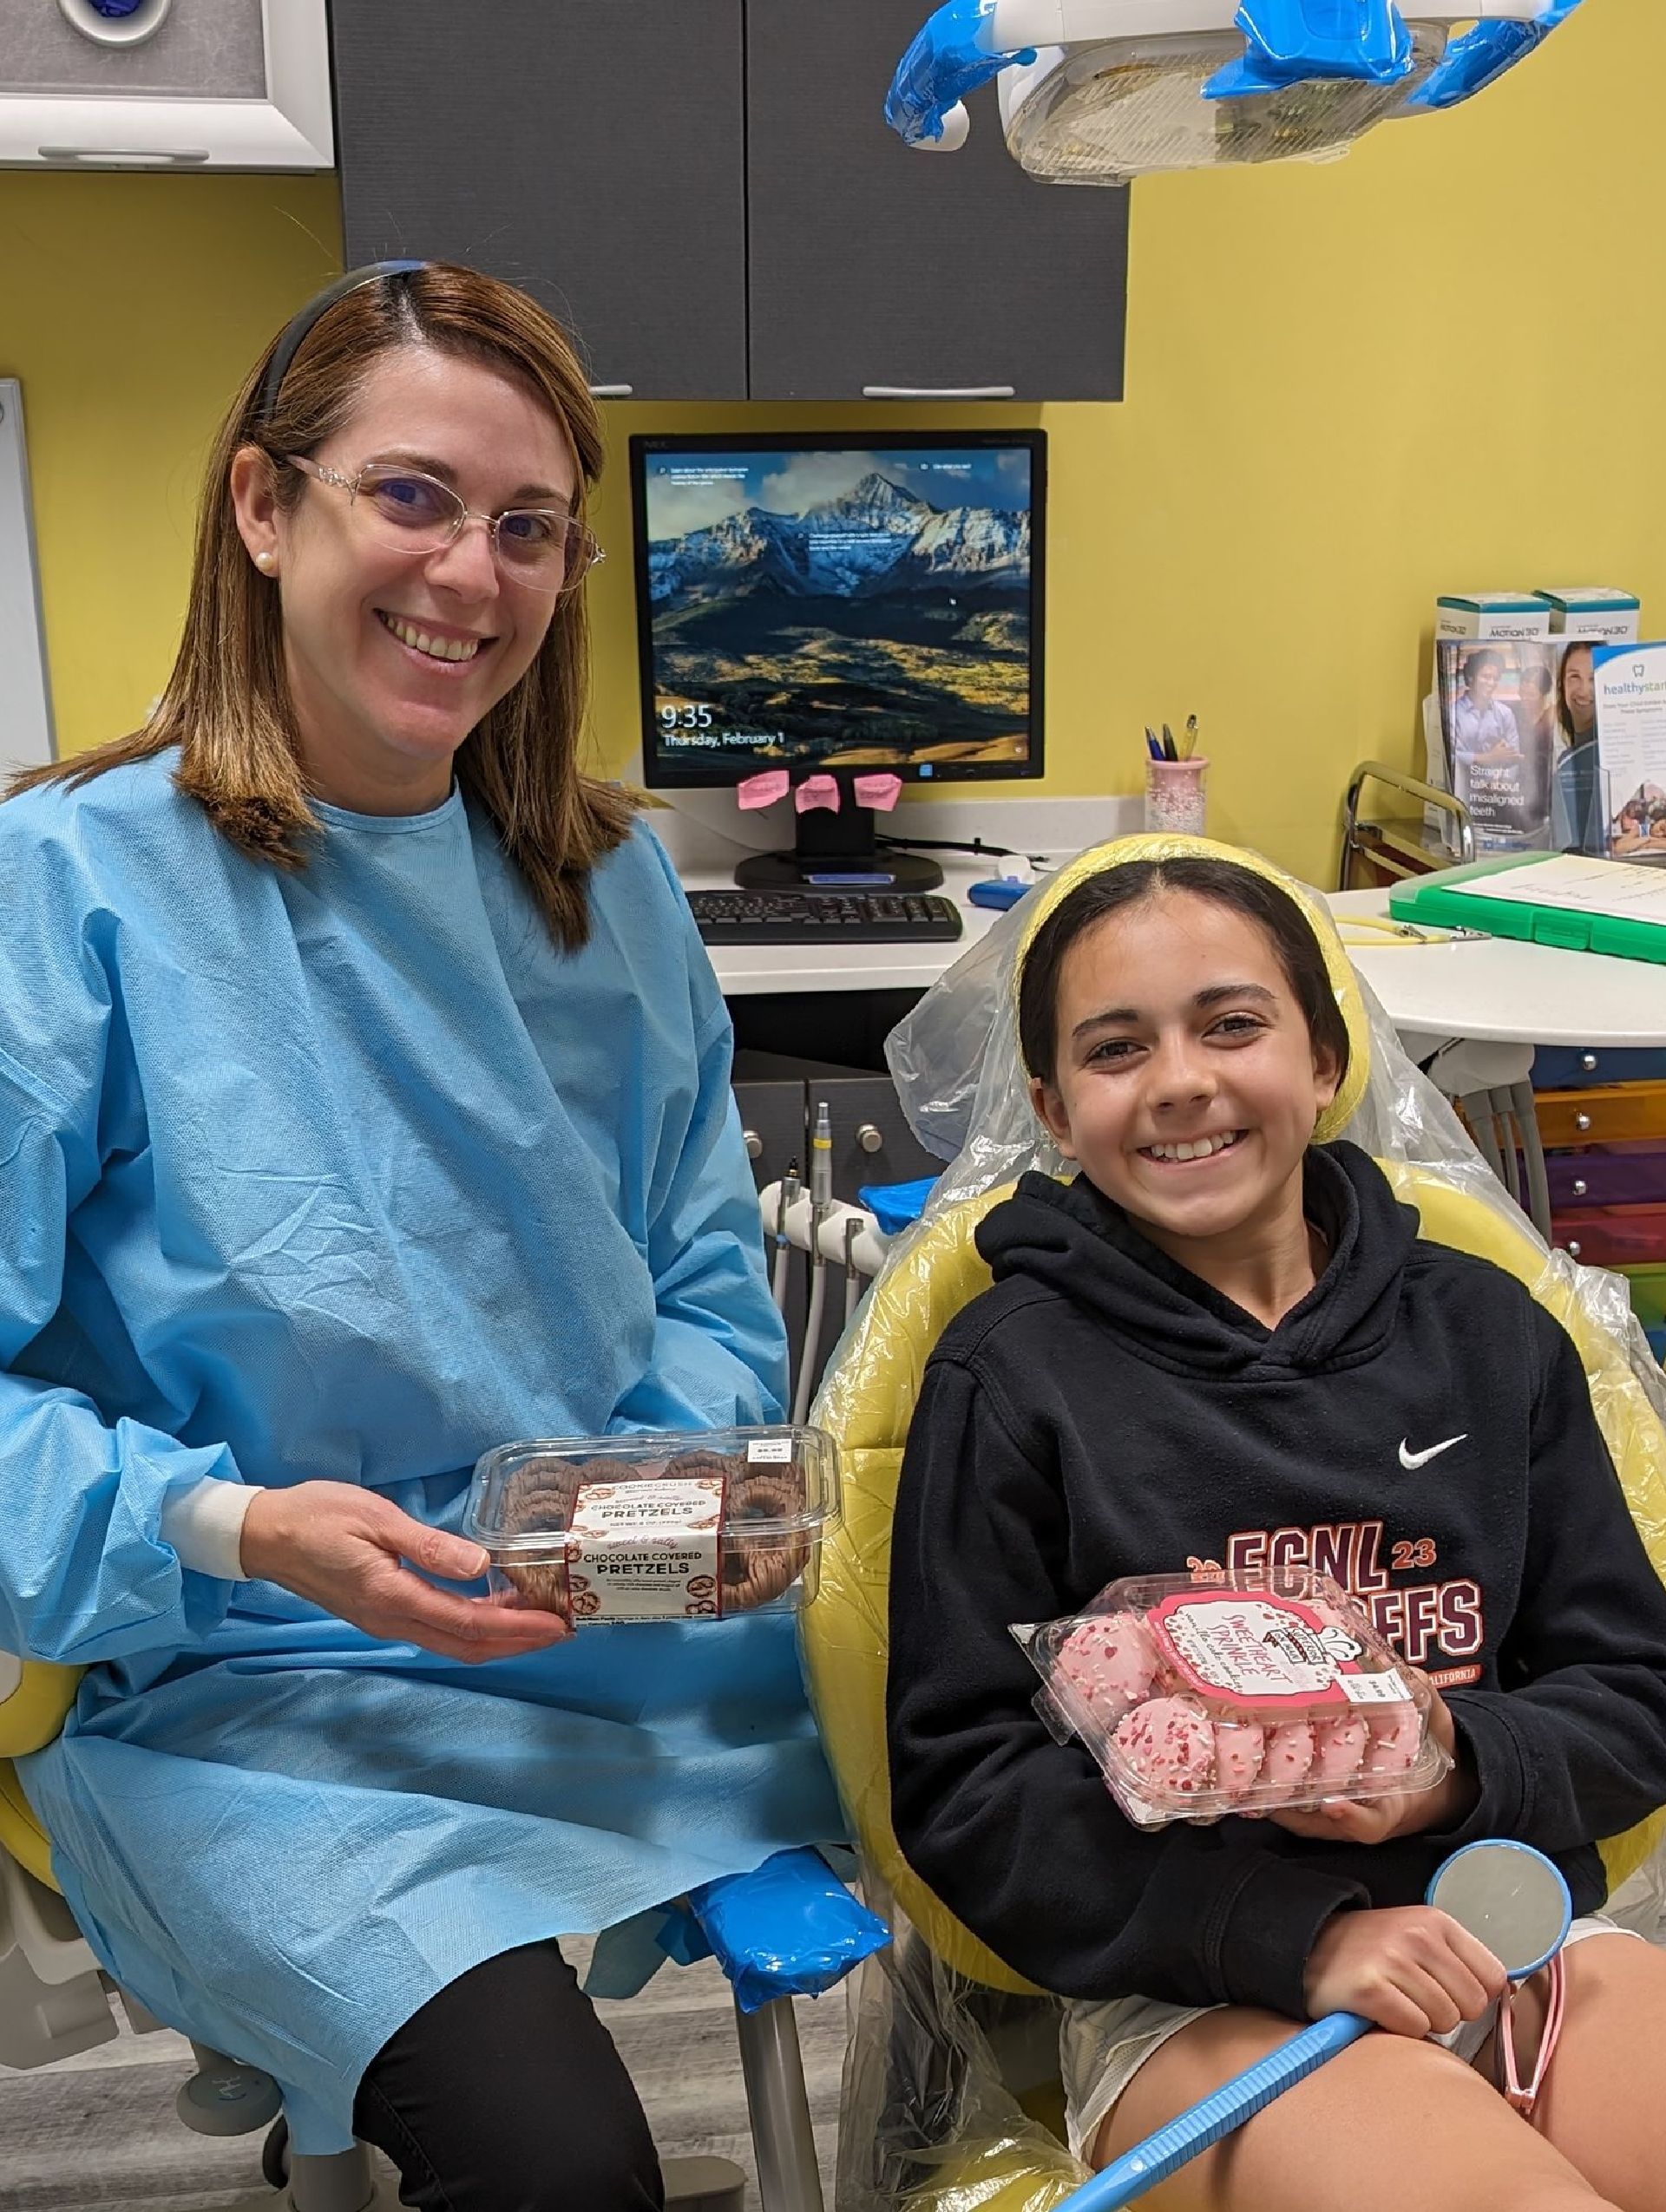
(1232, 1693)
(656, 1525)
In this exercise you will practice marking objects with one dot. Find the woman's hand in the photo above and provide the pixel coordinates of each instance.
(345, 1549)
(1409, 1969)
(1406, 1812)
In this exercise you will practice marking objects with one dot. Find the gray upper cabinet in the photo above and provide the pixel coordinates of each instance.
(590, 151)
(706, 192)
(877, 269)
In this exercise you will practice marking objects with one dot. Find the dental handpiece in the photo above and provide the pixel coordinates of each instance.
(821, 1158)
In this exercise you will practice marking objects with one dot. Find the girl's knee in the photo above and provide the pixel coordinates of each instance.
(1615, 1968)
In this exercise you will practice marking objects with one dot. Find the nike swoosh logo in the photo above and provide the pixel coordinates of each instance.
(1422, 1458)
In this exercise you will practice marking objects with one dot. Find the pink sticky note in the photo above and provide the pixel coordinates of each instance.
(878, 791)
(764, 790)
(817, 791)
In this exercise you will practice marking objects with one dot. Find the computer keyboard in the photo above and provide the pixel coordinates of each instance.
(817, 917)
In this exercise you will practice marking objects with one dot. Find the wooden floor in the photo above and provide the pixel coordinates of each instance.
(98, 2133)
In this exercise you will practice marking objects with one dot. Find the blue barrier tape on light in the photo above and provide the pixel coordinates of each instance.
(1481, 56)
(1290, 41)
(950, 57)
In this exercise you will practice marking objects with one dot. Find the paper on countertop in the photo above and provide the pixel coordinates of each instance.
(1585, 886)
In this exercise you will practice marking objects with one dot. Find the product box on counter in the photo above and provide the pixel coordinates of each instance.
(1491, 614)
(1593, 610)
(1199, 1695)
(656, 1525)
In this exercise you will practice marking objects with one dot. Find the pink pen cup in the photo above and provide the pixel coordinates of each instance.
(1174, 794)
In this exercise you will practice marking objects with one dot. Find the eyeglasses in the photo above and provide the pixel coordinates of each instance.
(543, 547)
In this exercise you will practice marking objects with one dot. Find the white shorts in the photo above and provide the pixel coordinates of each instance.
(1103, 2044)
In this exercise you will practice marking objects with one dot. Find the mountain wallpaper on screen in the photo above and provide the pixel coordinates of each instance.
(871, 629)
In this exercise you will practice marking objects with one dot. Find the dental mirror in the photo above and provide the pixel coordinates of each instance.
(1509, 1897)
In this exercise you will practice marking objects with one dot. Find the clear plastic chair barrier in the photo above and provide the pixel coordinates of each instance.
(942, 2065)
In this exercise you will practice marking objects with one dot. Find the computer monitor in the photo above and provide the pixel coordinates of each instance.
(842, 606)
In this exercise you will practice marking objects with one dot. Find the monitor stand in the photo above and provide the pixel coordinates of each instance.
(836, 852)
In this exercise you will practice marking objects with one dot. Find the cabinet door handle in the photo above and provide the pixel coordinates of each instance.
(611, 391)
(181, 157)
(1582, 1122)
(869, 1138)
(937, 391)
(753, 1142)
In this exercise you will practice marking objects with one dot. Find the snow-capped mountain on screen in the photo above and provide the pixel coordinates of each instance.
(875, 538)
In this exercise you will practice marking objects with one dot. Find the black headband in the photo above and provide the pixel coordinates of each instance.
(295, 329)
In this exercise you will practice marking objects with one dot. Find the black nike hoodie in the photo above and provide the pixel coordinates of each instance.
(1418, 1426)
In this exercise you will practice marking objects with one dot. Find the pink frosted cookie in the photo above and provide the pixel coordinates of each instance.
(1239, 1746)
(1338, 1747)
(1170, 1743)
(1111, 1663)
(1396, 1734)
(1289, 1753)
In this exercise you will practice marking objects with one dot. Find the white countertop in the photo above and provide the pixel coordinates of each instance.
(1490, 990)
(706, 834)
(1497, 990)
(745, 970)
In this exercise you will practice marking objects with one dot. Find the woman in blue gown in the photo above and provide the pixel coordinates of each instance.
(363, 1105)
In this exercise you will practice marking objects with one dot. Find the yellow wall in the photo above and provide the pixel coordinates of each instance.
(132, 306)
(1438, 364)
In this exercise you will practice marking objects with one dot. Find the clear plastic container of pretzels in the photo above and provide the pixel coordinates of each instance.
(657, 1526)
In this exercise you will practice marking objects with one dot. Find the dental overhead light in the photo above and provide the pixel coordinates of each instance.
(1099, 91)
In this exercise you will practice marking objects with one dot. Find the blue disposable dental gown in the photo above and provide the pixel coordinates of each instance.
(351, 1174)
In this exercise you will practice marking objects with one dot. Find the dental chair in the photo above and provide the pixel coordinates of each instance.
(949, 2105)
(55, 2001)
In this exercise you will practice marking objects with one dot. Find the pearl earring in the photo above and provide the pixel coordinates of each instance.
(262, 560)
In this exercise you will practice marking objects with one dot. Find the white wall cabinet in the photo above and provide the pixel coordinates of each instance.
(199, 84)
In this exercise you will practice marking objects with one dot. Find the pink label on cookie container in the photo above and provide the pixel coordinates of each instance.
(1250, 1648)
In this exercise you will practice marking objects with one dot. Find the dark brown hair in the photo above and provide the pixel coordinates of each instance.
(227, 704)
(1242, 890)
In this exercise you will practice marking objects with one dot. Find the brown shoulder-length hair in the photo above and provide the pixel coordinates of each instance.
(227, 704)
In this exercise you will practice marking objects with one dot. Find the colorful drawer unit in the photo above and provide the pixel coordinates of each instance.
(1623, 1113)
(1608, 1175)
(1649, 1295)
(1577, 1067)
(1613, 1236)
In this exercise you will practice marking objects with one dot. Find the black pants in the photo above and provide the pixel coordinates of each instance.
(505, 2094)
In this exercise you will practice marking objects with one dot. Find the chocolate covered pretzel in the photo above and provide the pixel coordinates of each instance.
(542, 1496)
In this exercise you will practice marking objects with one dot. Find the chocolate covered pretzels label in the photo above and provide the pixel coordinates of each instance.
(646, 1550)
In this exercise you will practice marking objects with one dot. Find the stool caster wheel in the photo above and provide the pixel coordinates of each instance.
(274, 2155)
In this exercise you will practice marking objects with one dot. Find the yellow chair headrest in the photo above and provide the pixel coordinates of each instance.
(1101, 859)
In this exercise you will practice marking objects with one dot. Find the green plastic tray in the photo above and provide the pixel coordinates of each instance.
(1456, 899)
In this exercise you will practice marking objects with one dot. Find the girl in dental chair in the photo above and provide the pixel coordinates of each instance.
(1226, 1327)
